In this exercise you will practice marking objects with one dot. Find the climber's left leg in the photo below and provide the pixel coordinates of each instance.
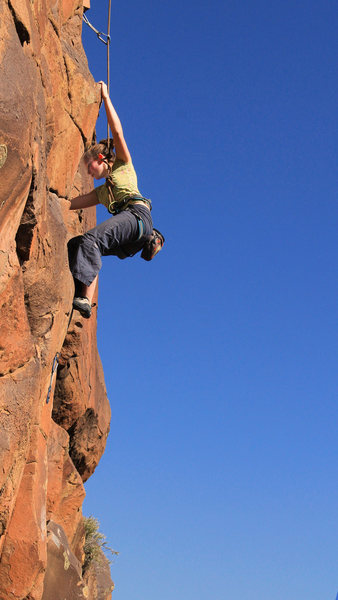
(86, 252)
(84, 297)
(89, 290)
(85, 260)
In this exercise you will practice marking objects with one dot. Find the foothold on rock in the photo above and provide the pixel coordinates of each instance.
(3, 154)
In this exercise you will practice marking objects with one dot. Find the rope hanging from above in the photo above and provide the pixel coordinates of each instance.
(108, 62)
(105, 38)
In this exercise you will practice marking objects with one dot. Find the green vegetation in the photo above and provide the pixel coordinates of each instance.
(95, 544)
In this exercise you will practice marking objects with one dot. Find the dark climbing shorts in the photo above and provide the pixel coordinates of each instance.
(120, 232)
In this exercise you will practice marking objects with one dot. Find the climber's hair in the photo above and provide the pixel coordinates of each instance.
(101, 148)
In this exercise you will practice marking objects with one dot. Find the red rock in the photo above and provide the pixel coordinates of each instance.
(49, 106)
(24, 554)
(69, 7)
(65, 491)
(98, 580)
(63, 577)
(16, 342)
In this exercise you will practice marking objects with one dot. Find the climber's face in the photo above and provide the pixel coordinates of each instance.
(97, 168)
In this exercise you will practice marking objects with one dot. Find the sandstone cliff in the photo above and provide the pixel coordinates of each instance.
(48, 109)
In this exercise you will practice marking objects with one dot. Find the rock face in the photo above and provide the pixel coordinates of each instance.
(98, 580)
(64, 571)
(48, 109)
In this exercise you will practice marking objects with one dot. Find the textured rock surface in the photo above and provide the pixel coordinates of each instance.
(64, 579)
(98, 580)
(79, 400)
(64, 573)
(48, 110)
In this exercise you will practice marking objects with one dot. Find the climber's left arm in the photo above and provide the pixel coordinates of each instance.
(121, 148)
(84, 201)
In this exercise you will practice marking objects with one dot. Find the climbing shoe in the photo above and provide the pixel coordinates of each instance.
(82, 304)
(152, 245)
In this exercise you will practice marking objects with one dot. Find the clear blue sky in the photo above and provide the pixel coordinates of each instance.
(219, 480)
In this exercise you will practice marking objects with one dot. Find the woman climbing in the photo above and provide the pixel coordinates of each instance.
(129, 229)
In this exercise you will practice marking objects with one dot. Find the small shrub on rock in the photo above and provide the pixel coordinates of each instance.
(95, 544)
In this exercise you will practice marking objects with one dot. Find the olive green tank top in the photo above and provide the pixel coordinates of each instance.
(121, 184)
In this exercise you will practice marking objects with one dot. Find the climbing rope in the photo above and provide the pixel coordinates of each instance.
(55, 366)
(108, 62)
(105, 38)
(56, 362)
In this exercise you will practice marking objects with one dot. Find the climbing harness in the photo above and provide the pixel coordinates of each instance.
(116, 207)
(105, 38)
(140, 227)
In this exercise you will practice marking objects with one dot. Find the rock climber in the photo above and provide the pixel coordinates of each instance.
(128, 231)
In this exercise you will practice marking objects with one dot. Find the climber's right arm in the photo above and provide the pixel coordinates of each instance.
(84, 201)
